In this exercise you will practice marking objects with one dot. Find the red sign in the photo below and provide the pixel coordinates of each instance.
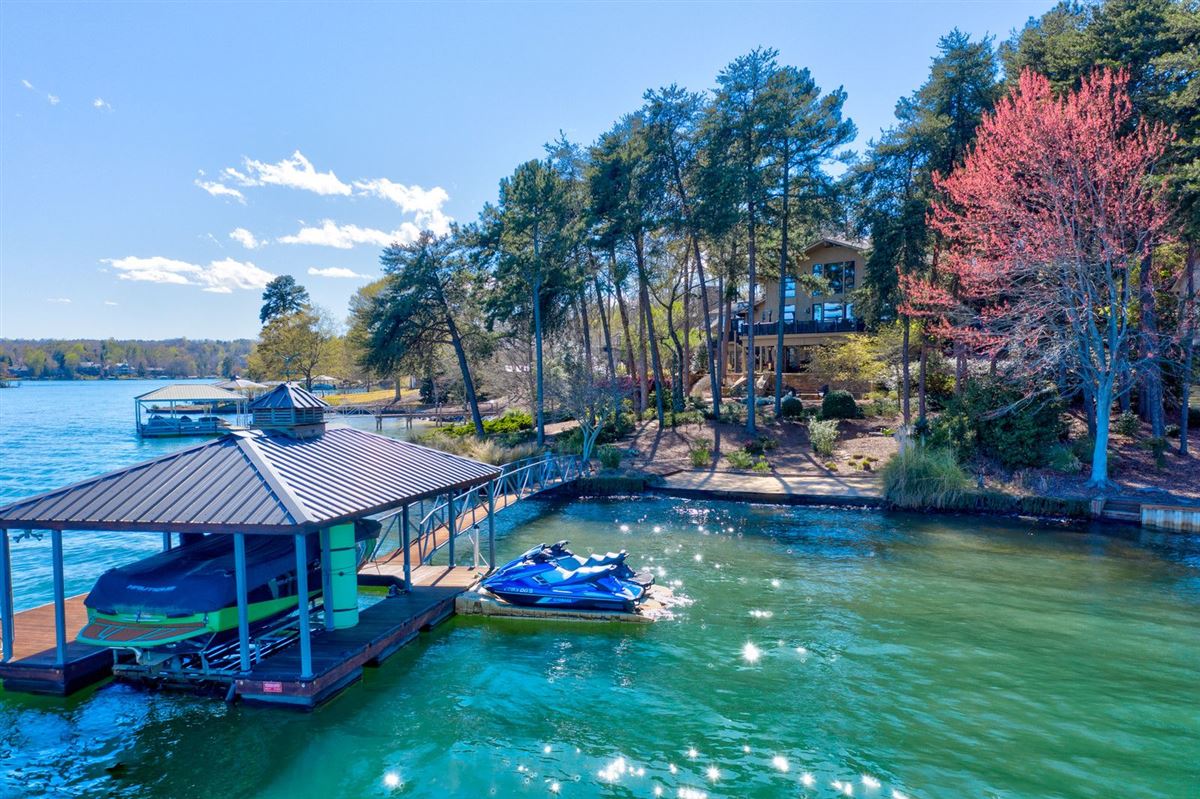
(272, 687)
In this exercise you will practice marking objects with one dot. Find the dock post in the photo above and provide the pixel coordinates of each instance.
(326, 579)
(452, 523)
(60, 601)
(243, 609)
(306, 671)
(166, 542)
(491, 526)
(404, 542)
(6, 598)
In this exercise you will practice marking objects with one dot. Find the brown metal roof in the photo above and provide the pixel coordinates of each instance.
(254, 482)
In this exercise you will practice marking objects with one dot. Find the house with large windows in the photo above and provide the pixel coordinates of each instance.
(810, 319)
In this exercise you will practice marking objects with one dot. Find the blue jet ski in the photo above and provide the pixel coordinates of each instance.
(537, 578)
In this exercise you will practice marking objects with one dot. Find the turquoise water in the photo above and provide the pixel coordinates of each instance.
(896, 655)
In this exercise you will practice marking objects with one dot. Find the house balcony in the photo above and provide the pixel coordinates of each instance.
(802, 327)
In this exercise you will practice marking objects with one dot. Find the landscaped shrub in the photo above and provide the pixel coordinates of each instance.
(1158, 447)
(609, 456)
(701, 455)
(1126, 424)
(922, 477)
(1062, 459)
(488, 451)
(740, 459)
(838, 404)
(992, 418)
(791, 408)
(509, 423)
(1083, 448)
(884, 406)
(761, 444)
(761, 466)
(823, 435)
(676, 418)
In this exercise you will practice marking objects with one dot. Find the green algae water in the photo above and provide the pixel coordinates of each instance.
(817, 653)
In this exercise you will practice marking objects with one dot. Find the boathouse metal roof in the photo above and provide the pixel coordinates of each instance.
(240, 384)
(187, 392)
(254, 482)
(288, 395)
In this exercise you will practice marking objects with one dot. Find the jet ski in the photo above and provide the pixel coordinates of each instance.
(537, 578)
(191, 591)
(569, 560)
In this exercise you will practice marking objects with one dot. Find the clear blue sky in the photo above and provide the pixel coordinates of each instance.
(119, 122)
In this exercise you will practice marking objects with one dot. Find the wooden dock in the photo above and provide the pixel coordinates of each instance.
(339, 656)
(33, 664)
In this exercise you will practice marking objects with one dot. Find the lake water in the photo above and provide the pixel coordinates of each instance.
(823, 653)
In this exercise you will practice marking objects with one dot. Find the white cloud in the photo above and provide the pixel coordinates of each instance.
(424, 204)
(110, 302)
(220, 190)
(219, 277)
(246, 238)
(52, 98)
(343, 237)
(26, 84)
(59, 300)
(100, 104)
(296, 172)
(337, 271)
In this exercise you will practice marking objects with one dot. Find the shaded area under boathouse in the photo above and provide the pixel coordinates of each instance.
(289, 478)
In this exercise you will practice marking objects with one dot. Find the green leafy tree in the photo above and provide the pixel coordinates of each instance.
(428, 299)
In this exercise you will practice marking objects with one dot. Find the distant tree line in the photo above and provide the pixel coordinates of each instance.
(71, 359)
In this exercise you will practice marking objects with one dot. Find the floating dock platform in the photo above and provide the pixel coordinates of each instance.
(34, 665)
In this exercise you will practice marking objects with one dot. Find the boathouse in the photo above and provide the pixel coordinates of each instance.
(290, 477)
(187, 409)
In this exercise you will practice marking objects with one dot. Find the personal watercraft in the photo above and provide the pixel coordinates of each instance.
(553, 576)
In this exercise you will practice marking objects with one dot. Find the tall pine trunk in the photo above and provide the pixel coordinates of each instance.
(1189, 346)
(906, 371)
(586, 332)
(630, 361)
(783, 275)
(922, 368)
(608, 345)
(655, 355)
(752, 253)
(537, 355)
(1152, 383)
(460, 353)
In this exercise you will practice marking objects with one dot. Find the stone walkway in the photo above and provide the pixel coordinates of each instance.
(785, 488)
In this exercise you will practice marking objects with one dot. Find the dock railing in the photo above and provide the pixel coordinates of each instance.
(444, 525)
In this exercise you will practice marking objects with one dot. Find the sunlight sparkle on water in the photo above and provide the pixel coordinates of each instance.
(751, 652)
(780, 762)
(658, 790)
(546, 748)
(657, 529)
(808, 780)
(672, 768)
(746, 748)
(624, 528)
(844, 787)
(774, 583)
(555, 787)
(897, 795)
(713, 773)
(697, 557)
(691, 793)
(391, 779)
(870, 781)
(692, 753)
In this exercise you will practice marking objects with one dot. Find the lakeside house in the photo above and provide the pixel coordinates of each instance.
(809, 319)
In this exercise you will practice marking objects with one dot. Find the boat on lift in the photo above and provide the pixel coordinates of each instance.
(190, 592)
(551, 576)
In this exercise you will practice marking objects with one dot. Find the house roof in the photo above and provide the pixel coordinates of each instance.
(830, 241)
(254, 482)
(239, 383)
(188, 392)
(288, 395)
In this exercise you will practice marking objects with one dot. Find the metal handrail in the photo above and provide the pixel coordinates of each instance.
(517, 480)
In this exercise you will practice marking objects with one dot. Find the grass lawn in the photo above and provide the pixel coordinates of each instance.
(364, 397)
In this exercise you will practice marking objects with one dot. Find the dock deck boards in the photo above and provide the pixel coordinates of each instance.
(33, 665)
(339, 656)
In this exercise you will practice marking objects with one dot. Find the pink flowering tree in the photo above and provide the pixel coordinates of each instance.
(1048, 222)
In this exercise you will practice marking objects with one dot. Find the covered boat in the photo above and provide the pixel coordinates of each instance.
(554, 577)
(191, 591)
